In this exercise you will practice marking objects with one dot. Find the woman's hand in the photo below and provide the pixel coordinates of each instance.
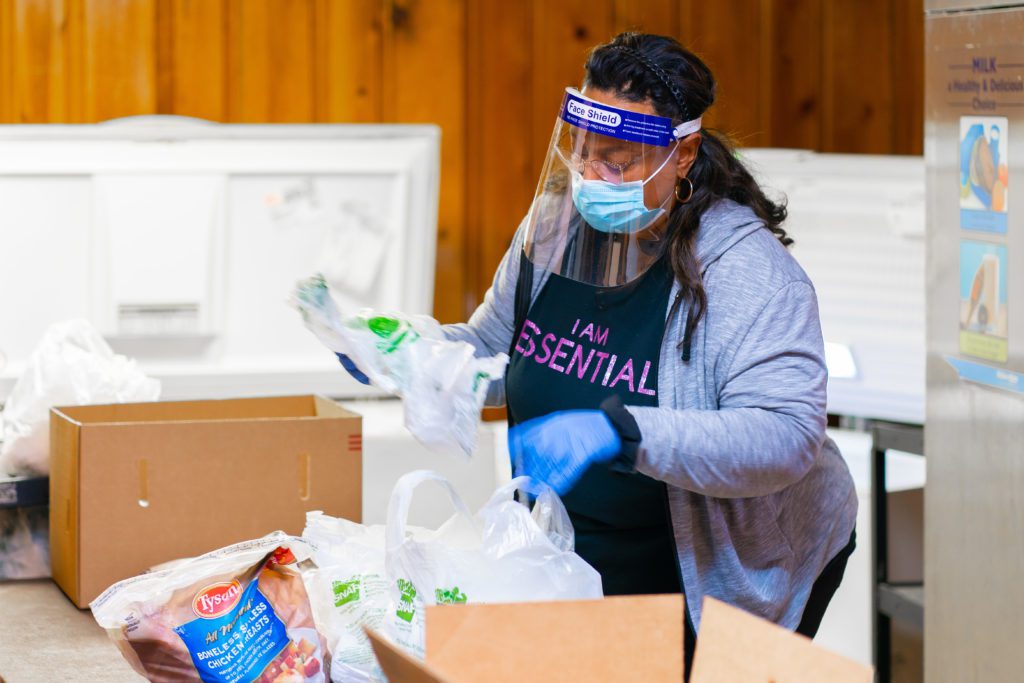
(347, 363)
(558, 448)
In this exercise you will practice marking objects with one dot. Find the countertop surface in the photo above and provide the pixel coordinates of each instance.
(44, 637)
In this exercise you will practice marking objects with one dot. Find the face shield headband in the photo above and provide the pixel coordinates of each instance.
(608, 203)
(587, 114)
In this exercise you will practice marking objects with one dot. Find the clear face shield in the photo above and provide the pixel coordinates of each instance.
(600, 212)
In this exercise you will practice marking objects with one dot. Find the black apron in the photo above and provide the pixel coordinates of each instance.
(577, 346)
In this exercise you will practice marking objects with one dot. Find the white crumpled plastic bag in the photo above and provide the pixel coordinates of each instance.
(441, 382)
(382, 577)
(73, 365)
(24, 543)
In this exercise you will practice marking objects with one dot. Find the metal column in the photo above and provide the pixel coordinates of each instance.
(974, 428)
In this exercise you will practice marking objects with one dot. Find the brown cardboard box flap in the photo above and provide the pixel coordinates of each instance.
(398, 666)
(210, 410)
(736, 646)
(615, 639)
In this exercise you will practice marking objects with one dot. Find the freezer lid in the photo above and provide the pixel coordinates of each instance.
(937, 6)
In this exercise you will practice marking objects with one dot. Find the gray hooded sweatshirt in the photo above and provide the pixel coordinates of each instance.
(760, 497)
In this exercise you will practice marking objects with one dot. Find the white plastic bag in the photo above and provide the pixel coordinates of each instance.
(24, 543)
(73, 365)
(441, 382)
(505, 553)
(348, 590)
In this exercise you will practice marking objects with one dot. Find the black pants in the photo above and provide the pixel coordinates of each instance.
(824, 588)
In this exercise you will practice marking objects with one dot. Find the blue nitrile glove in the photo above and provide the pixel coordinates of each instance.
(558, 448)
(347, 363)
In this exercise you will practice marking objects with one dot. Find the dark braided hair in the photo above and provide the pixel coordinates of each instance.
(642, 67)
(662, 76)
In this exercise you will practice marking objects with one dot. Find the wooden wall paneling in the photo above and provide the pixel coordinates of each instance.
(907, 64)
(292, 46)
(74, 45)
(8, 109)
(164, 55)
(270, 61)
(792, 58)
(119, 47)
(192, 58)
(651, 16)
(424, 70)
(563, 34)
(729, 37)
(37, 83)
(856, 85)
(791, 73)
(349, 51)
(500, 172)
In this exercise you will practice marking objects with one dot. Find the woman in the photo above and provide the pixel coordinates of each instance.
(667, 372)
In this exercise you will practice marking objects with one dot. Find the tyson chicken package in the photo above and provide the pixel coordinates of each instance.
(237, 615)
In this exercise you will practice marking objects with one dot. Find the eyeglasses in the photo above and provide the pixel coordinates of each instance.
(608, 171)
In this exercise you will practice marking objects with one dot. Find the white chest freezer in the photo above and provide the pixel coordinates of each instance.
(182, 239)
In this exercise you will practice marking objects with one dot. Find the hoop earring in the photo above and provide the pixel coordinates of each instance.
(689, 195)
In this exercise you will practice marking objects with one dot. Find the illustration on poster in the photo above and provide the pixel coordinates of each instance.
(983, 164)
(983, 300)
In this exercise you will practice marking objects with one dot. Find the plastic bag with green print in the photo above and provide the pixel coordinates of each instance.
(505, 553)
(348, 591)
(382, 577)
(441, 383)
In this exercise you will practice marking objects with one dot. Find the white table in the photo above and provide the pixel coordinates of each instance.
(44, 637)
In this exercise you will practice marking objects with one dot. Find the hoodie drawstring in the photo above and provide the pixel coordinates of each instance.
(688, 334)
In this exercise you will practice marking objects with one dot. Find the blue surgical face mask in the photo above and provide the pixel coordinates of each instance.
(614, 208)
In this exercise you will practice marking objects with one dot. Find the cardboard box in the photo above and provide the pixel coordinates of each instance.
(637, 638)
(736, 646)
(136, 485)
(616, 639)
